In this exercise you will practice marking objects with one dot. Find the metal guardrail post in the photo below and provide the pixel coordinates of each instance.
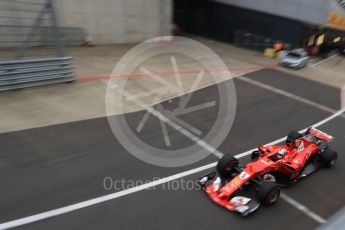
(48, 7)
(56, 30)
(30, 35)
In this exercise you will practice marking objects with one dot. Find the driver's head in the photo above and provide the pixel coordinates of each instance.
(281, 153)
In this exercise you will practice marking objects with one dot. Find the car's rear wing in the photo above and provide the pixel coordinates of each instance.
(319, 134)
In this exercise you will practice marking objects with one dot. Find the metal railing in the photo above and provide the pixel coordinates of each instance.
(20, 18)
(23, 25)
(18, 74)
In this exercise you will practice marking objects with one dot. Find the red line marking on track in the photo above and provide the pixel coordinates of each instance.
(186, 72)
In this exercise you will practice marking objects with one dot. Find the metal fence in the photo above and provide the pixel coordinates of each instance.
(19, 17)
(31, 45)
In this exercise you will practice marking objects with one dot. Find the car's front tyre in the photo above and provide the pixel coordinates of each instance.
(268, 193)
(227, 165)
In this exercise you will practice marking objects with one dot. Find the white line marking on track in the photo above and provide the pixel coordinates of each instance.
(98, 200)
(303, 208)
(289, 95)
(172, 124)
(185, 124)
(324, 60)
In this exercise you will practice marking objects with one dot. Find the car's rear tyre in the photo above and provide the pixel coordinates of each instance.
(268, 193)
(328, 157)
(293, 136)
(226, 165)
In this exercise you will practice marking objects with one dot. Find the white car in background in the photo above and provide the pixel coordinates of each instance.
(297, 58)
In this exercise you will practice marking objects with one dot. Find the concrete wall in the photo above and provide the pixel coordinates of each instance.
(117, 21)
(310, 11)
(109, 21)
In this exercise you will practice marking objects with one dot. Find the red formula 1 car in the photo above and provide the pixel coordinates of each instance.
(271, 167)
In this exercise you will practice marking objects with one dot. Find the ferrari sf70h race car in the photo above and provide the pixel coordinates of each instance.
(271, 168)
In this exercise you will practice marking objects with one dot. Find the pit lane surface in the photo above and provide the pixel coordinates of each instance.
(46, 168)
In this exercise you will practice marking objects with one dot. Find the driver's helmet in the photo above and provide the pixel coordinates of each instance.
(281, 153)
(298, 144)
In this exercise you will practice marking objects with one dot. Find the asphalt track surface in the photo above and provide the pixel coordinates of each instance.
(51, 167)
